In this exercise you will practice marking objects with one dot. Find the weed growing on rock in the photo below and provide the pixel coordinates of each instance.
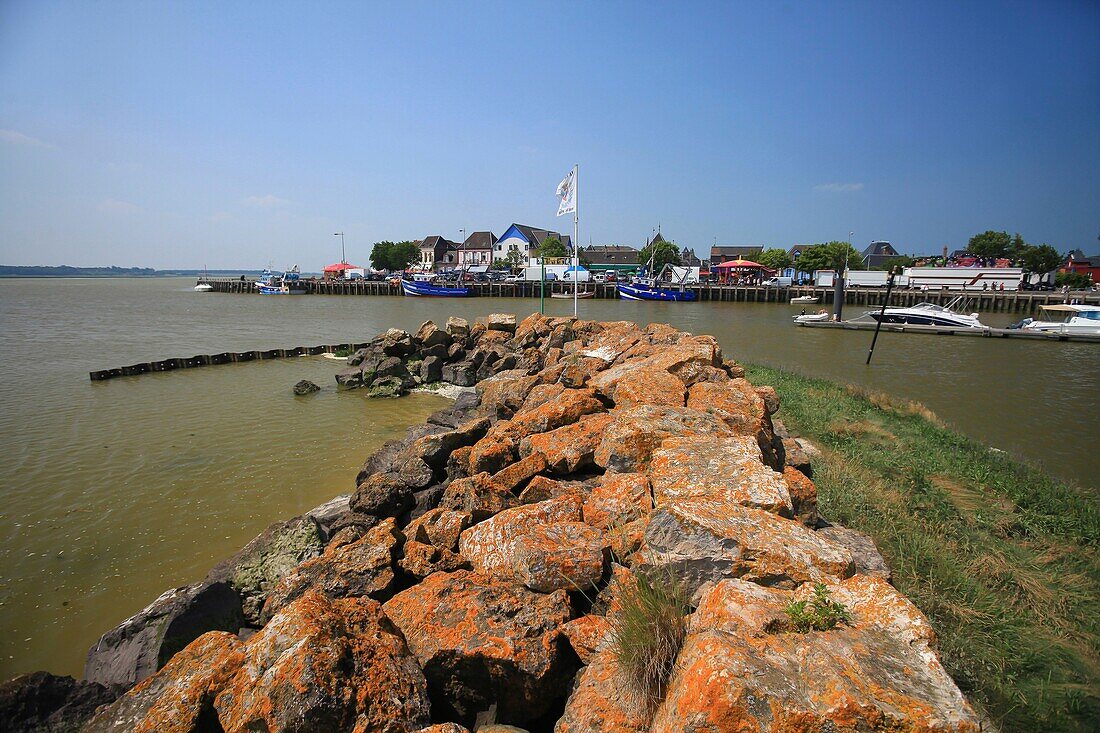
(819, 613)
(648, 631)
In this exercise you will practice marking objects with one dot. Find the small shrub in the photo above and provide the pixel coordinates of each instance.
(343, 351)
(820, 613)
(649, 631)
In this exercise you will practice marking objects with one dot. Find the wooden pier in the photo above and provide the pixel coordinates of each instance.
(1023, 302)
(1007, 333)
(226, 357)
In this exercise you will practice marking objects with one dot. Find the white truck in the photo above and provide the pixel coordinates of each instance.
(867, 279)
(964, 278)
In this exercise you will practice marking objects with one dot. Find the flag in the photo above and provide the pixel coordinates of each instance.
(567, 192)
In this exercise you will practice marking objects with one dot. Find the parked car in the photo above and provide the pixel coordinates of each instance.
(512, 278)
(599, 277)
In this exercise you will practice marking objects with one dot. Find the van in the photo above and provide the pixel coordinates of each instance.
(778, 282)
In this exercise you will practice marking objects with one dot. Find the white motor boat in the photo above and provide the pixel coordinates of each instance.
(203, 286)
(929, 314)
(803, 299)
(1066, 318)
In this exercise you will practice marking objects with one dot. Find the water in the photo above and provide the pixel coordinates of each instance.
(114, 491)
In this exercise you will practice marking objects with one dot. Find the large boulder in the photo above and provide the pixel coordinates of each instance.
(505, 322)
(561, 556)
(740, 669)
(383, 495)
(429, 335)
(463, 374)
(326, 665)
(143, 643)
(636, 431)
(704, 540)
(568, 448)
(565, 409)
(264, 561)
(722, 469)
(491, 546)
(617, 500)
(482, 642)
(458, 328)
(360, 568)
(45, 703)
(478, 495)
(602, 703)
(865, 553)
(434, 449)
(650, 387)
(180, 697)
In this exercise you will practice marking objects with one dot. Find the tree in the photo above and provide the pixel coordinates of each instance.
(551, 247)
(394, 255)
(829, 256)
(775, 258)
(891, 263)
(990, 245)
(663, 253)
(1073, 280)
(1038, 259)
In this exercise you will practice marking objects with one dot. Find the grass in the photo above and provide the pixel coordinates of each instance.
(648, 632)
(1003, 559)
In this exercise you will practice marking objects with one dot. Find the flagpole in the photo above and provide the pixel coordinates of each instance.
(576, 242)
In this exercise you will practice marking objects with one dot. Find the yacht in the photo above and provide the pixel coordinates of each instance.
(930, 314)
(1066, 318)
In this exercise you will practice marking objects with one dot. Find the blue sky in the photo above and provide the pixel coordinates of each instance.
(242, 134)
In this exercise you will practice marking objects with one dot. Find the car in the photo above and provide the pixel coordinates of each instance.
(599, 277)
(611, 276)
(512, 279)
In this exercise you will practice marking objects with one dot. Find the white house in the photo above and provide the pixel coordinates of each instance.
(523, 239)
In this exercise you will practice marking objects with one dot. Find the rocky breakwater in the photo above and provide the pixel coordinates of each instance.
(477, 578)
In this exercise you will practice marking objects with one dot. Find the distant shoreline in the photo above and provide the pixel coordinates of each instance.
(43, 271)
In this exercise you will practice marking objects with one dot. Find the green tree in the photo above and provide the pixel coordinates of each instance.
(899, 261)
(1038, 259)
(380, 255)
(663, 253)
(394, 255)
(990, 245)
(551, 247)
(829, 256)
(775, 258)
(1074, 280)
(1017, 248)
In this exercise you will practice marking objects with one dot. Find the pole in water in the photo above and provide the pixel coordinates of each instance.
(881, 314)
(542, 287)
(576, 219)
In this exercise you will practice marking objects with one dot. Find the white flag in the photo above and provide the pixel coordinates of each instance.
(567, 192)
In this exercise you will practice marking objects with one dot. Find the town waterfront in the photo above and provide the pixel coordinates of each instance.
(116, 491)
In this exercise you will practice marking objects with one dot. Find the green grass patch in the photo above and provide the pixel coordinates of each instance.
(1002, 558)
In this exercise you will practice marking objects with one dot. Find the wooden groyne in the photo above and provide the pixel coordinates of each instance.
(983, 301)
(1013, 333)
(225, 357)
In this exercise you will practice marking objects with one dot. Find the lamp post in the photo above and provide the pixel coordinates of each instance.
(343, 257)
(462, 252)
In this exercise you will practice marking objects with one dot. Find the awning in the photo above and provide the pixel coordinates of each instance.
(341, 267)
(478, 269)
(734, 264)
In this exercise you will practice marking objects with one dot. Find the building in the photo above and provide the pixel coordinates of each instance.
(720, 253)
(435, 251)
(1076, 262)
(523, 239)
(879, 254)
(477, 249)
(688, 259)
(611, 257)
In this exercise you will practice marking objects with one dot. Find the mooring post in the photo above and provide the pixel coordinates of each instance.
(881, 313)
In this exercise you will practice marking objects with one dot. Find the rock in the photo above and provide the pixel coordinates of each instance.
(517, 474)
(542, 488)
(439, 527)
(143, 643)
(879, 673)
(394, 342)
(481, 642)
(383, 495)
(456, 352)
(325, 665)
(458, 328)
(650, 387)
(429, 335)
(564, 409)
(505, 391)
(586, 634)
(726, 469)
(431, 369)
(360, 568)
(477, 495)
(803, 495)
(770, 397)
(444, 728)
(505, 322)
(706, 540)
(569, 448)
(180, 697)
(463, 374)
(492, 546)
(351, 377)
(421, 560)
(541, 393)
(495, 451)
(744, 410)
(561, 556)
(602, 703)
(305, 387)
(45, 703)
(391, 367)
(618, 500)
(426, 500)
(796, 457)
(638, 430)
(435, 449)
(386, 387)
(868, 560)
(264, 561)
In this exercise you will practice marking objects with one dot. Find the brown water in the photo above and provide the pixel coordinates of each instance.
(114, 491)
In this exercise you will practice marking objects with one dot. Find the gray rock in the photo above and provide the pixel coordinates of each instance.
(143, 643)
(390, 367)
(383, 495)
(501, 322)
(387, 387)
(431, 369)
(395, 342)
(264, 561)
(463, 374)
(305, 387)
(868, 560)
(457, 352)
(434, 449)
(350, 378)
(458, 328)
(430, 335)
(439, 351)
(45, 703)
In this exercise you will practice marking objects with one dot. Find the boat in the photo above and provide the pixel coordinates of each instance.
(581, 294)
(203, 286)
(649, 288)
(284, 283)
(821, 315)
(804, 299)
(422, 287)
(929, 314)
(1066, 319)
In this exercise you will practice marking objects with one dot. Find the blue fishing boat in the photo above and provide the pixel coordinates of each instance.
(644, 288)
(420, 287)
(285, 283)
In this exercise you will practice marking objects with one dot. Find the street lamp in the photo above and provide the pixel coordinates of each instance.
(462, 252)
(343, 257)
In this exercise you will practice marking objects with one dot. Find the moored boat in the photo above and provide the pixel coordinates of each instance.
(802, 299)
(420, 287)
(644, 288)
(581, 294)
(929, 314)
(1066, 318)
(286, 283)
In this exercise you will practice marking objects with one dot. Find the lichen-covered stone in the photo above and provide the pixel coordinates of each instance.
(491, 545)
(515, 475)
(564, 555)
(803, 495)
(477, 495)
(602, 702)
(482, 642)
(618, 500)
(568, 448)
(439, 527)
(586, 634)
(636, 431)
